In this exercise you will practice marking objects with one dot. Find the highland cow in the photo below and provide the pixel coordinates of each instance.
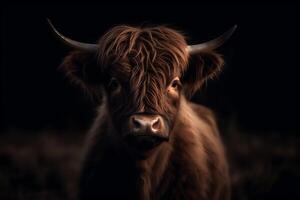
(149, 141)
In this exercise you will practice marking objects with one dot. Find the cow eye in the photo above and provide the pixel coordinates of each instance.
(114, 84)
(176, 83)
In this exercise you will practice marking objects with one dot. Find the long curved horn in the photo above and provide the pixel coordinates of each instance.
(212, 44)
(72, 43)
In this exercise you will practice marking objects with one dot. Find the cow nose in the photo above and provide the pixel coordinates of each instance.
(150, 124)
(146, 131)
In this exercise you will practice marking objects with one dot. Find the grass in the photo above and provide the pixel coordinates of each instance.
(44, 166)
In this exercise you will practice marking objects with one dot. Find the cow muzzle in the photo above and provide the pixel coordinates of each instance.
(146, 131)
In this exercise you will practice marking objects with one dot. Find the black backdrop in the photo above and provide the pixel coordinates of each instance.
(257, 89)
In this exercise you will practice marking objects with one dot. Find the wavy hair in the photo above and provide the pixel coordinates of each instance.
(147, 57)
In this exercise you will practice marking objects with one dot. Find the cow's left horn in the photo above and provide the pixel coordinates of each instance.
(74, 44)
(212, 44)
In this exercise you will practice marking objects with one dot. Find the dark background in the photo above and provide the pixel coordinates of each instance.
(258, 87)
(257, 93)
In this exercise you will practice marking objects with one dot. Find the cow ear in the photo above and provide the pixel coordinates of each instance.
(82, 69)
(201, 67)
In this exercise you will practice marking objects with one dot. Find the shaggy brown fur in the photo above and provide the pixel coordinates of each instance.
(137, 66)
(147, 59)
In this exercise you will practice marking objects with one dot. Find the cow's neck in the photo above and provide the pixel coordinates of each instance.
(151, 170)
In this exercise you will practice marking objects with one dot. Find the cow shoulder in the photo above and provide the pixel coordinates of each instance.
(206, 115)
(214, 152)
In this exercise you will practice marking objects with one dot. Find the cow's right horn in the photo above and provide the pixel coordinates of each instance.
(74, 44)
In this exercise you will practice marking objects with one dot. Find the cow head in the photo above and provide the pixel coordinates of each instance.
(143, 71)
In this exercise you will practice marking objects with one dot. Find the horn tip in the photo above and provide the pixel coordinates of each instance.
(51, 25)
(49, 21)
(234, 27)
(232, 30)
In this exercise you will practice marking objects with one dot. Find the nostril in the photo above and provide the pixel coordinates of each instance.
(136, 123)
(156, 124)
